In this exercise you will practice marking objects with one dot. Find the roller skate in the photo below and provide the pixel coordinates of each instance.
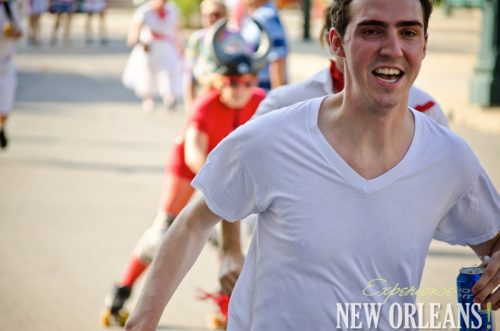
(115, 314)
(11, 31)
(217, 320)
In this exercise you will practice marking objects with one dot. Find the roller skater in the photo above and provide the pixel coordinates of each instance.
(216, 113)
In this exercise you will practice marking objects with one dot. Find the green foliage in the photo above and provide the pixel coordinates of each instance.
(188, 8)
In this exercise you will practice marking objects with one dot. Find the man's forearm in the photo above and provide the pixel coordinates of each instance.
(231, 256)
(178, 252)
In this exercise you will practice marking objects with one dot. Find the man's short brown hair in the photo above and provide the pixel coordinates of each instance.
(339, 14)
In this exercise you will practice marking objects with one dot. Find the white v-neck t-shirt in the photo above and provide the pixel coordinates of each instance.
(323, 231)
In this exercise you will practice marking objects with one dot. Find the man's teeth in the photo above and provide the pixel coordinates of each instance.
(390, 75)
(388, 71)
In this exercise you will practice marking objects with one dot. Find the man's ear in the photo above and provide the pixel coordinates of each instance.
(336, 44)
(425, 44)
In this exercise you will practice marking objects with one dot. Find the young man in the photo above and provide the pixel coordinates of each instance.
(345, 192)
(331, 80)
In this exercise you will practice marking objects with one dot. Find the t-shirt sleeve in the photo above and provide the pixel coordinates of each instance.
(225, 182)
(474, 218)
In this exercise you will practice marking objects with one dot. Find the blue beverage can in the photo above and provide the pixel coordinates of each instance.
(472, 317)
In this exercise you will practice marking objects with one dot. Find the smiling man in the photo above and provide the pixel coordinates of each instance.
(346, 192)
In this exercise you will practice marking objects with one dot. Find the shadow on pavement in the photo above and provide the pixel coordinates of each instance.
(451, 254)
(88, 142)
(78, 48)
(78, 165)
(71, 88)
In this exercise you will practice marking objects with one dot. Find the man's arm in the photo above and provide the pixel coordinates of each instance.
(195, 148)
(277, 72)
(231, 256)
(179, 250)
(489, 281)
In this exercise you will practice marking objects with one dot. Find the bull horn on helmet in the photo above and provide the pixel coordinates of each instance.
(217, 53)
(220, 57)
(260, 55)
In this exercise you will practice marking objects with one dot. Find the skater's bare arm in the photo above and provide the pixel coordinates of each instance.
(231, 256)
(277, 72)
(180, 248)
(189, 92)
(195, 149)
(133, 34)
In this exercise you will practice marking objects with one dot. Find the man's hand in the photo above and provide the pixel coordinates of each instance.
(484, 289)
(230, 269)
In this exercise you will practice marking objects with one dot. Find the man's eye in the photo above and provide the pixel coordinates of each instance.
(409, 33)
(371, 32)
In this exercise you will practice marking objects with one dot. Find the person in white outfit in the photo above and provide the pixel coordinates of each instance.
(11, 31)
(155, 63)
(346, 192)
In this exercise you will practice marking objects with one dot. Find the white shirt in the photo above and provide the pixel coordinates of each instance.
(152, 22)
(323, 231)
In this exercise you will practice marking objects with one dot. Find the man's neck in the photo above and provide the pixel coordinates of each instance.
(371, 141)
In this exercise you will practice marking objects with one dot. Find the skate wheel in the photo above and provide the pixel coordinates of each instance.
(122, 317)
(106, 319)
(216, 321)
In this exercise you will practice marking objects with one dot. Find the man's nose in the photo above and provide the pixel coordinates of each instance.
(392, 46)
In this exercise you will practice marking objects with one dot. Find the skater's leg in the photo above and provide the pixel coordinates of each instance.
(67, 28)
(176, 193)
(88, 28)
(3, 134)
(103, 33)
(31, 30)
(57, 22)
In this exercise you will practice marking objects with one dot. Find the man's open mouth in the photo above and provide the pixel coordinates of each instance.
(389, 75)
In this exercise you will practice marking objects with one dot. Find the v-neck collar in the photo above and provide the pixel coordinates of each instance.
(348, 173)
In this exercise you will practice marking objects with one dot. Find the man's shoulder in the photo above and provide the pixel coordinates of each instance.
(439, 140)
(290, 115)
(271, 130)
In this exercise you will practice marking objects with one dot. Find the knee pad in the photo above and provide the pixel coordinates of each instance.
(150, 240)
